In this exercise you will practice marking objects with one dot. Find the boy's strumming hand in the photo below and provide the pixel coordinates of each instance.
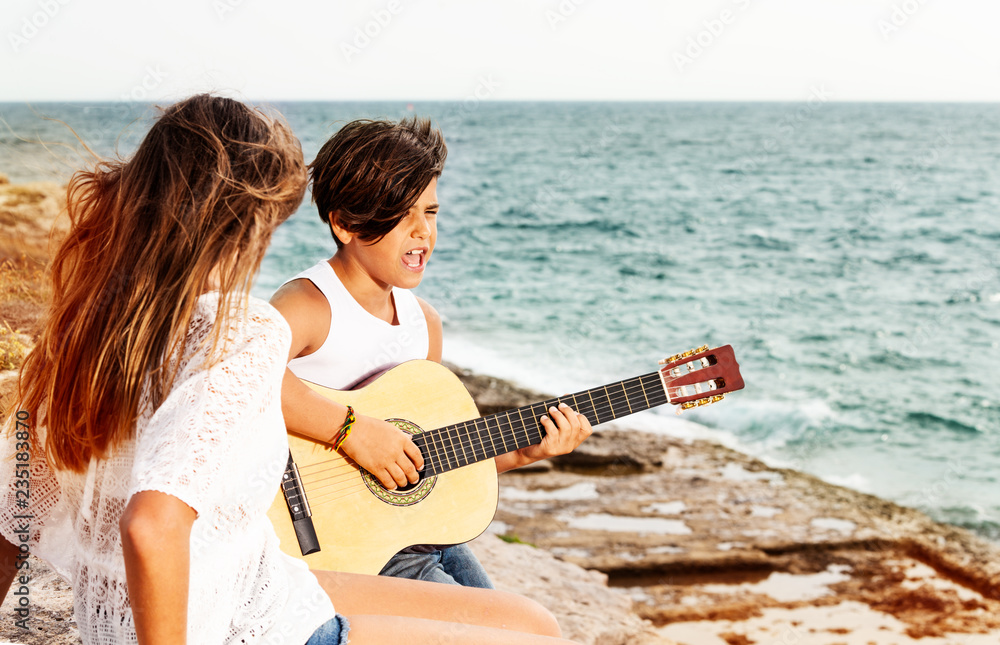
(385, 451)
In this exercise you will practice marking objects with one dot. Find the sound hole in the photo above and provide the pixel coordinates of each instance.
(408, 487)
(405, 495)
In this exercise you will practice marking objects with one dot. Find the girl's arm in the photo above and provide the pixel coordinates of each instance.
(156, 534)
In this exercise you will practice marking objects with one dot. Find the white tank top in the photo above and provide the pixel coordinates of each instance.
(359, 345)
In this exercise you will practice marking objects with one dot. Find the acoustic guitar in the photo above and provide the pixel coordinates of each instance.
(336, 516)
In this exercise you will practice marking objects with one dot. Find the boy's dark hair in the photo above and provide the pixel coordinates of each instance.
(370, 173)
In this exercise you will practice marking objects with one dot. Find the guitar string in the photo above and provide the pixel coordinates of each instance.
(346, 472)
(617, 399)
(321, 501)
(627, 392)
(330, 496)
(508, 431)
(628, 388)
(325, 485)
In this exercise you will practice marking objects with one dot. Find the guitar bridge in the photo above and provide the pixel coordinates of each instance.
(298, 508)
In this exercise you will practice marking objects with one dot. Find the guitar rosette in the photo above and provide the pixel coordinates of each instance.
(408, 495)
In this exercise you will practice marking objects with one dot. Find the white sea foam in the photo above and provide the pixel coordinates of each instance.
(857, 481)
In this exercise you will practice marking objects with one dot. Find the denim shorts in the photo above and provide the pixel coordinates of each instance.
(454, 565)
(332, 632)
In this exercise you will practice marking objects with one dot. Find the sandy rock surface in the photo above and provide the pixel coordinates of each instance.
(588, 611)
(50, 619)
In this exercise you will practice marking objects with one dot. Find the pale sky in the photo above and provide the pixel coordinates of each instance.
(848, 50)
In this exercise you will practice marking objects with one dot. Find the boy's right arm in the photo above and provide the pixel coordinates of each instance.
(379, 447)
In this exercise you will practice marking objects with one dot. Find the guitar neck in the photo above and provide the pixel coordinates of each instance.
(472, 441)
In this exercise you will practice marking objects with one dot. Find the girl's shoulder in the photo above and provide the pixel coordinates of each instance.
(249, 323)
(254, 312)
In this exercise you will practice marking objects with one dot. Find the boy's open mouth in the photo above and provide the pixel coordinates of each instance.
(415, 259)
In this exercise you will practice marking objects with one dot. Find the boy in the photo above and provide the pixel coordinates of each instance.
(375, 185)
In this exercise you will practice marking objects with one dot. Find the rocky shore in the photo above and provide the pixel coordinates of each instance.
(713, 547)
(639, 537)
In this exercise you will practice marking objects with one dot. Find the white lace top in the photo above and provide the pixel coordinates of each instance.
(217, 443)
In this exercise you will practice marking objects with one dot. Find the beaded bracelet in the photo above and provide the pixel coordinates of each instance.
(345, 430)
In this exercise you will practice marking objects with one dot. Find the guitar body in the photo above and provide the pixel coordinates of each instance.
(365, 525)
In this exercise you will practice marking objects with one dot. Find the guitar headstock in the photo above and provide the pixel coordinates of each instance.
(700, 376)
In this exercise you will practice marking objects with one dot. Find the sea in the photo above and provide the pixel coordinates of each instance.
(849, 252)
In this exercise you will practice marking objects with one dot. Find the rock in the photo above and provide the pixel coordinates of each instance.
(588, 611)
(29, 213)
(716, 547)
(50, 621)
(493, 394)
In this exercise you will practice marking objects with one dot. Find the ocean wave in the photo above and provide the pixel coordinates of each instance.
(897, 360)
(931, 421)
(973, 518)
(767, 424)
(760, 240)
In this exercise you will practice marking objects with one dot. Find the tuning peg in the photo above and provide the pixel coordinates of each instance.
(700, 402)
(688, 353)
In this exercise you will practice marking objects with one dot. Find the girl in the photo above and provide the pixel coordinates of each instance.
(149, 441)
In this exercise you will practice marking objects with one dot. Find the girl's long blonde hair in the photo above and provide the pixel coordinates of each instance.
(193, 209)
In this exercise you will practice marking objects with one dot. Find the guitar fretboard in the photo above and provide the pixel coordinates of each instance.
(472, 441)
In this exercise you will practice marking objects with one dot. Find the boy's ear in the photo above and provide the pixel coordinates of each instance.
(342, 234)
